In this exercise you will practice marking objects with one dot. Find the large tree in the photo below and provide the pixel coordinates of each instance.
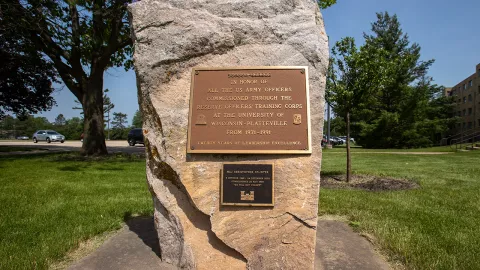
(82, 38)
(400, 112)
(26, 77)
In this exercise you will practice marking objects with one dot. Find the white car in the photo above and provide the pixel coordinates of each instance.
(48, 136)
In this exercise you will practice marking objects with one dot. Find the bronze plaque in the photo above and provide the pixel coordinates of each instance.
(247, 184)
(249, 110)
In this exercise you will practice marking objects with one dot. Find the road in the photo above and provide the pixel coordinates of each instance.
(112, 146)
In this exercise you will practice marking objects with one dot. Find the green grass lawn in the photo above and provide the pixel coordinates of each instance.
(434, 227)
(343, 148)
(50, 203)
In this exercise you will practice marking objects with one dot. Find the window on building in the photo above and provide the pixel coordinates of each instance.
(464, 112)
(470, 98)
(469, 125)
(459, 113)
(464, 125)
(464, 86)
(464, 99)
(460, 100)
(470, 83)
(469, 111)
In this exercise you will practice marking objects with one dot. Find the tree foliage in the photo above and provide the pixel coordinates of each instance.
(137, 120)
(107, 107)
(60, 120)
(107, 103)
(323, 4)
(407, 110)
(82, 38)
(337, 126)
(72, 129)
(385, 88)
(119, 120)
(119, 126)
(11, 127)
(352, 74)
(26, 77)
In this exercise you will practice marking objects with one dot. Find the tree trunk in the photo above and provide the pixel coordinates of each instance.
(93, 130)
(349, 161)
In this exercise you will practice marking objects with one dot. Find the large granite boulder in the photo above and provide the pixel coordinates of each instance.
(173, 36)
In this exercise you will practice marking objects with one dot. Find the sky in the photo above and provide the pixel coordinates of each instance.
(448, 31)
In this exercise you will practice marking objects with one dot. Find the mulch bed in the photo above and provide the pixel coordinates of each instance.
(366, 182)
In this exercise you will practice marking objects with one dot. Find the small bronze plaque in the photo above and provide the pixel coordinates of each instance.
(250, 110)
(247, 184)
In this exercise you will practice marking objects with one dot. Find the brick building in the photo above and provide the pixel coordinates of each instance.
(467, 99)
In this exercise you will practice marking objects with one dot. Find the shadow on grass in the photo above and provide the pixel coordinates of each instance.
(74, 162)
(7, 149)
(31, 155)
(144, 228)
(115, 157)
(110, 169)
(87, 166)
(71, 168)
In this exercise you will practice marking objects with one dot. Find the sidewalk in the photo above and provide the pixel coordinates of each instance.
(135, 247)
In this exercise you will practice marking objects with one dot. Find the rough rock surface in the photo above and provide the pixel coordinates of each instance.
(171, 37)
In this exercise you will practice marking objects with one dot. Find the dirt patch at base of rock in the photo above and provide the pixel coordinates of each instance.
(366, 182)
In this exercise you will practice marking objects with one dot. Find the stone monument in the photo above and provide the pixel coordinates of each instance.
(176, 43)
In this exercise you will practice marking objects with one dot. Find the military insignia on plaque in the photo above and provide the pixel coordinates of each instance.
(247, 184)
(247, 197)
(201, 120)
(297, 119)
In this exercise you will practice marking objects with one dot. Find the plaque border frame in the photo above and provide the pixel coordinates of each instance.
(308, 150)
(248, 204)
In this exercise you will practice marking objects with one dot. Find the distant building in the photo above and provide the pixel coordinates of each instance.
(467, 99)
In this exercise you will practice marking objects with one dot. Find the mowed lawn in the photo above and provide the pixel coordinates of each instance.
(50, 203)
(434, 227)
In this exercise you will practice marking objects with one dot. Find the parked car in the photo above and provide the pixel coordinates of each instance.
(135, 136)
(344, 138)
(333, 140)
(336, 141)
(23, 138)
(48, 136)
